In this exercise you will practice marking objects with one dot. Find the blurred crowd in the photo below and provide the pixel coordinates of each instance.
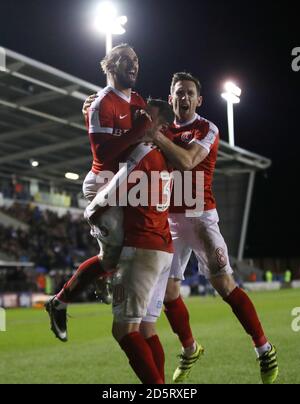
(57, 244)
(51, 242)
(19, 189)
(34, 280)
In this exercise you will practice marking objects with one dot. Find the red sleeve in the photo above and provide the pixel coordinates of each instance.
(109, 147)
(207, 136)
(101, 116)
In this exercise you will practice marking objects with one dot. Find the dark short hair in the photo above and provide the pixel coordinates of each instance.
(111, 58)
(184, 76)
(165, 110)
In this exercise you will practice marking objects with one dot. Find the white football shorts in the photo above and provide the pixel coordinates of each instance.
(201, 235)
(140, 284)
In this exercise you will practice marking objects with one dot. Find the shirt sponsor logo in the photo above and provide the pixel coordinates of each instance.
(120, 132)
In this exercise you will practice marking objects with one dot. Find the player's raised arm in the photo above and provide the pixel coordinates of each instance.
(180, 158)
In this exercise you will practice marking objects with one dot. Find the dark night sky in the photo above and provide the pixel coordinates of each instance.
(250, 42)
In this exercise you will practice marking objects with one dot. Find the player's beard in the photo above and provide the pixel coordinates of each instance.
(125, 81)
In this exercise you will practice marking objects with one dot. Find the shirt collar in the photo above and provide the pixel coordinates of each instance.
(181, 125)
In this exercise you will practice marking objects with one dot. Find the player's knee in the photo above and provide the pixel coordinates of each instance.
(224, 285)
(121, 329)
(147, 329)
(172, 291)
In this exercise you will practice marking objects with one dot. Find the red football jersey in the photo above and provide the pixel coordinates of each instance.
(147, 227)
(110, 117)
(205, 133)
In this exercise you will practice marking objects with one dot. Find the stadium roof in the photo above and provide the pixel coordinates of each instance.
(40, 119)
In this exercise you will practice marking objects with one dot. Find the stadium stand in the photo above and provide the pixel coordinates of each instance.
(50, 241)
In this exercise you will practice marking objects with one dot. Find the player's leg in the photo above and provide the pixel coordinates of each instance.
(178, 315)
(138, 352)
(148, 324)
(109, 234)
(108, 230)
(138, 272)
(214, 262)
(101, 223)
(175, 309)
(56, 306)
(245, 312)
(149, 333)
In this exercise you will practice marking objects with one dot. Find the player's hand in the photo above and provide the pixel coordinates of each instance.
(142, 114)
(146, 139)
(87, 103)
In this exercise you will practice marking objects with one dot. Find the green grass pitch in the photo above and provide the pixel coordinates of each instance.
(29, 353)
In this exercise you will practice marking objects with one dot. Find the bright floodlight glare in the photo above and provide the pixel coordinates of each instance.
(107, 10)
(117, 28)
(72, 176)
(34, 163)
(229, 97)
(107, 20)
(230, 87)
(232, 96)
(122, 20)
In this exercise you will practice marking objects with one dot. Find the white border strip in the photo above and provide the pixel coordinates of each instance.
(2, 59)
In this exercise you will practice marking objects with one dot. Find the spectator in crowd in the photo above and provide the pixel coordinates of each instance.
(51, 241)
(269, 276)
(287, 276)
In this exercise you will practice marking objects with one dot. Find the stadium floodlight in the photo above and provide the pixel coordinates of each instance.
(72, 176)
(109, 23)
(230, 87)
(232, 96)
(34, 163)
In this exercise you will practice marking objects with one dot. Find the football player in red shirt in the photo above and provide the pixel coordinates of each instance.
(193, 145)
(143, 270)
(113, 127)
